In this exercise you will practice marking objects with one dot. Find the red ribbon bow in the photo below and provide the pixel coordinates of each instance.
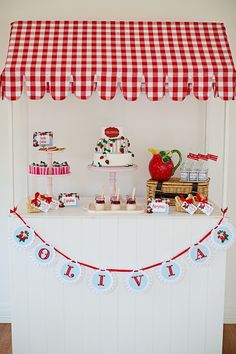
(187, 200)
(43, 197)
(200, 199)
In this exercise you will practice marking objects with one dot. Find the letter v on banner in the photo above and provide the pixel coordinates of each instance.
(138, 281)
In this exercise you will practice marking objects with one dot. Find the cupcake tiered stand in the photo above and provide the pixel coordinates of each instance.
(50, 176)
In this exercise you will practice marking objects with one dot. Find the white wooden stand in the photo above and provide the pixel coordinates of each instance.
(51, 317)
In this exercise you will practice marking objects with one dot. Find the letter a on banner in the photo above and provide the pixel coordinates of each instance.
(43, 254)
(70, 272)
(199, 254)
(170, 271)
(138, 281)
(101, 281)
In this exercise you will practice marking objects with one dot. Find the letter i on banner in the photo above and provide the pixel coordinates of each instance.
(101, 281)
(69, 272)
(170, 271)
(199, 254)
(44, 254)
(137, 281)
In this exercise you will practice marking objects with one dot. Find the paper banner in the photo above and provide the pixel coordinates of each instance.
(138, 281)
(104, 280)
(23, 236)
(199, 254)
(223, 236)
(70, 272)
(101, 281)
(170, 271)
(43, 254)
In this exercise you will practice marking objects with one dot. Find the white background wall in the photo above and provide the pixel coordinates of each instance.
(173, 125)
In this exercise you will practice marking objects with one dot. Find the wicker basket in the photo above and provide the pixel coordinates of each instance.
(174, 187)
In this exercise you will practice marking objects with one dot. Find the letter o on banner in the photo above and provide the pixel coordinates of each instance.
(101, 281)
(199, 254)
(70, 272)
(138, 281)
(23, 236)
(170, 272)
(223, 236)
(44, 254)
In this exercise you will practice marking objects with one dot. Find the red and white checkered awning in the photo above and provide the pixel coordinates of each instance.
(159, 58)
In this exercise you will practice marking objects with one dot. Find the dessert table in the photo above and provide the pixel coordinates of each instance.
(51, 317)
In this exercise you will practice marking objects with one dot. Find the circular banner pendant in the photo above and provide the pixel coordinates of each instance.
(223, 236)
(23, 236)
(70, 272)
(170, 271)
(101, 281)
(137, 281)
(43, 254)
(199, 254)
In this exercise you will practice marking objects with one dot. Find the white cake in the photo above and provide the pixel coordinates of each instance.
(112, 149)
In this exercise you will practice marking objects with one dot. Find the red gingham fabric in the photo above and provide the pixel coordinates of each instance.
(159, 58)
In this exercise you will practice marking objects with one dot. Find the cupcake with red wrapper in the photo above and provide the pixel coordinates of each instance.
(34, 169)
(65, 168)
(43, 168)
(56, 168)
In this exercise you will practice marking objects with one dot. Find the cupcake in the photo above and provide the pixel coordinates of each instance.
(43, 168)
(65, 168)
(56, 168)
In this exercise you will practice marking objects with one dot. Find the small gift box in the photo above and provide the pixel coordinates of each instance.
(42, 139)
(158, 206)
(188, 204)
(203, 205)
(41, 202)
(68, 200)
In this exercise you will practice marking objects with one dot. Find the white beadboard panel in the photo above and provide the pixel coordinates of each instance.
(230, 313)
(167, 318)
(5, 312)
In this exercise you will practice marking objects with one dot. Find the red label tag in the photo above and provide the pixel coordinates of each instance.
(192, 156)
(202, 157)
(212, 157)
(112, 132)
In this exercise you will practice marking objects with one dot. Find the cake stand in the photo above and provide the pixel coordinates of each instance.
(112, 173)
(49, 177)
